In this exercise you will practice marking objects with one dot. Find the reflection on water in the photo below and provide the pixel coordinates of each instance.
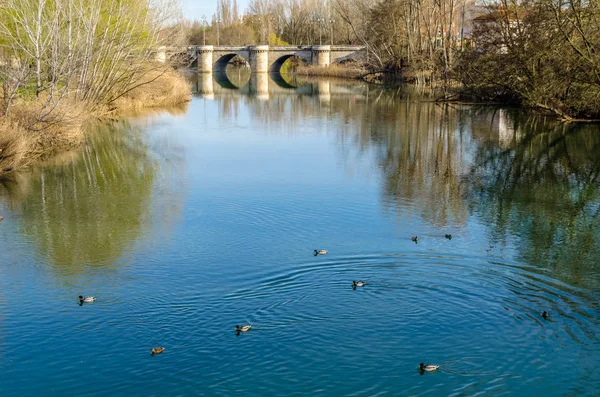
(541, 185)
(225, 204)
(85, 209)
(527, 176)
(260, 86)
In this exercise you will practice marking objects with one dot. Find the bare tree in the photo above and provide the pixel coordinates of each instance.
(89, 50)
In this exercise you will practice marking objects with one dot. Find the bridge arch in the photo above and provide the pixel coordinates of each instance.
(278, 63)
(221, 64)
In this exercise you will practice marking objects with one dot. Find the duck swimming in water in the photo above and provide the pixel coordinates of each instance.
(87, 299)
(428, 367)
(415, 239)
(545, 314)
(156, 350)
(319, 252)
(1, 219)
(358, 284)
(243, 328)
(448, 236)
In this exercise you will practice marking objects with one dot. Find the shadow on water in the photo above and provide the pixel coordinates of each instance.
(87, 208)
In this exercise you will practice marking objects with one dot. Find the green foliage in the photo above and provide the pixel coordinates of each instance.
(89, 49)
(96, 205)
(274, 40)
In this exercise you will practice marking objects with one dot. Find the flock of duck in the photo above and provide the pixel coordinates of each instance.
(247, 327)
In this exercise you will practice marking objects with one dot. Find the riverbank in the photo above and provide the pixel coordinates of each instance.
(28, 136)
(353, 71)
(450, 90)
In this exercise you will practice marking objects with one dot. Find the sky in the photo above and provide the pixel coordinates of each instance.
(194, 9)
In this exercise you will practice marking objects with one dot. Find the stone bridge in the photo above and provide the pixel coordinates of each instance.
(262, 58)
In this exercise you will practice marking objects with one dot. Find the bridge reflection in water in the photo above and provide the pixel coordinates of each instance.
(260, 85)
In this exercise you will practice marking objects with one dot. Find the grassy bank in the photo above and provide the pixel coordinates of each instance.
(349, 71)
(29, 135)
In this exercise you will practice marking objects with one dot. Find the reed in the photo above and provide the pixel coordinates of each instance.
(157, 89)
(15, 143)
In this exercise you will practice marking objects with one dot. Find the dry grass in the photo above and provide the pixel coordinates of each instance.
(24, 139)
(15, 144)
(157, 89)
(350, 71)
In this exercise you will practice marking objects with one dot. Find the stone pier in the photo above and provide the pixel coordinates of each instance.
(205, 58)
(259, 58)
(321, 55)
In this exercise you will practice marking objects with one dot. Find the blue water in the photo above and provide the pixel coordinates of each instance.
(185, 223)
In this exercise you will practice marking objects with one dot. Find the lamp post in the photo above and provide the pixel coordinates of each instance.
(320, 22)
(331, 20)
(203, 29)
(218, 21)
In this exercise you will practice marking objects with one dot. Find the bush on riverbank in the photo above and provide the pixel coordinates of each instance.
(160, 88)
(86, 60)
(14, 145)
(26, 138)
(537, 55)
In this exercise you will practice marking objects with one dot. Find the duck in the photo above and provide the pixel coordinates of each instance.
(545, 314)
(1, 218)
(87, 299)
(428, 367)
(319, 252)
(415, 238)
(156, 350)
(358, 284)
(448, 236)
(242, 328)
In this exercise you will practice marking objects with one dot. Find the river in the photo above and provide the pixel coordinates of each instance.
(185, 223)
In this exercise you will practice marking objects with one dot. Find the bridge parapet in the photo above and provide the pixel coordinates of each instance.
(227, 48)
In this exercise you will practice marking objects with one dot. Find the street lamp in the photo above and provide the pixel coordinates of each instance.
(203, 29)
(331, 21)
(218, 21)
(320, 21)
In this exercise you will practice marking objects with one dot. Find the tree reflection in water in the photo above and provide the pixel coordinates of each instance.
(542, 187)
(531, 179)
(87, 211)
